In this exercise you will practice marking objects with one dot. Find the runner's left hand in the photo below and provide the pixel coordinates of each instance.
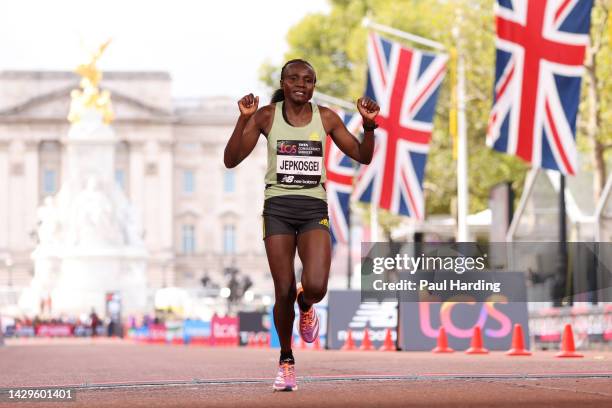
(368, 109)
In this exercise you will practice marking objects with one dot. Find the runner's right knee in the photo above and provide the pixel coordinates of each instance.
(285, 294)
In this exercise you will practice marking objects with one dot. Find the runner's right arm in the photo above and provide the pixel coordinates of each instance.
(250, 124)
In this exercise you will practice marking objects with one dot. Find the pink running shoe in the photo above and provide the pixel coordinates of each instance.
(309, 321)
(285, 379)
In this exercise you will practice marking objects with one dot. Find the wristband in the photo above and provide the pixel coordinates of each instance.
(370, 128)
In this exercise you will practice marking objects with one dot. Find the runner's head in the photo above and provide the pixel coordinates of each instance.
(297, 82)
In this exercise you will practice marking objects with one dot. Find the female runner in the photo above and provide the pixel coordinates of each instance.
(295, 207)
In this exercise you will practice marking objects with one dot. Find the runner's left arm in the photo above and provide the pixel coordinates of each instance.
(347, 142)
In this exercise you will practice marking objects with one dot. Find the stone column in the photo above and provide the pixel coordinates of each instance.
(151, 197)
(166, 208)
(4, 194)
(32, 182)
(137, 168)
(166, 196)
(23, 186)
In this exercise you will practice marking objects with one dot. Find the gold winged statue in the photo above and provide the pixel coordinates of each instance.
(89, 96)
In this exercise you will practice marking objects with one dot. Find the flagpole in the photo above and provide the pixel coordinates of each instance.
(373, 222)
(367, 23)
(560, 287)
(351, 107)
(462, 157)
(349, 240)
(335, 101)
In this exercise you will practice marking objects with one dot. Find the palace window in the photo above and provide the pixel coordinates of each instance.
(188, 239)
(49, 181)
(229, 239)
(120, 178)
(188, 181)
(229, 181)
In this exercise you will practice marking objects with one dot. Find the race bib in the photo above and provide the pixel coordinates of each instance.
(299, 163)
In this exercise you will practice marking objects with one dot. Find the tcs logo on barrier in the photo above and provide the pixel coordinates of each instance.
(224, 327)
(223, 330)
(450, 312)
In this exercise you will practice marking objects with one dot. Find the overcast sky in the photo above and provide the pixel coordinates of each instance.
(210, 48)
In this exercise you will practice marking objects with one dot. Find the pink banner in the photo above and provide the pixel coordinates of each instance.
(157, 333)
(54, 330)
(224, 331)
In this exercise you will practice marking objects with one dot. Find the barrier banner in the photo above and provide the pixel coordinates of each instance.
(174, 332)
(54, 330)
(197, 332)
(81, 330)
(253, 326)
(157, 333)
(591, 324)
(140, 333)
(421, 319)
(224, 331)
(347, 312)
(24, 331)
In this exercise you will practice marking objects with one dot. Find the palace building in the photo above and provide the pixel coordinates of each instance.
(198, 217)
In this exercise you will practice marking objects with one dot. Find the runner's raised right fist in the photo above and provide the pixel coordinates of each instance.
(248, 104)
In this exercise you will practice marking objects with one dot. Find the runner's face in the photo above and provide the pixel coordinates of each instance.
(298, 83)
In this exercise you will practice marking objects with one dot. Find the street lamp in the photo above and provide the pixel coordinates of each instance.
(237, 285)
(225, 292)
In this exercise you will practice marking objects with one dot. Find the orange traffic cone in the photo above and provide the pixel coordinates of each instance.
(442, 346)
(366, 343)
(518, 345)
(252, 342)
(349, 344)
(317, 344)
(263, 340)
(476, 346)
(568, 349)
(388, 344)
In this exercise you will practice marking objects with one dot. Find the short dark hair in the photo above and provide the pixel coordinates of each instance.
(279, 95)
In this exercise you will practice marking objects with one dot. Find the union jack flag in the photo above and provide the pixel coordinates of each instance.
(405, 84)
(539, 64)
(339, 185)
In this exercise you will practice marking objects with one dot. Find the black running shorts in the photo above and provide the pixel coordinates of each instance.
(294, 214)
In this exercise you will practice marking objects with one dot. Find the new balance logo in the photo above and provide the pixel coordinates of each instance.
(378, 317)
(375, 315)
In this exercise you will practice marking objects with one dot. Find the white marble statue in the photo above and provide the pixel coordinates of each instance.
(48, 229)
(95, 220)
(90, 235)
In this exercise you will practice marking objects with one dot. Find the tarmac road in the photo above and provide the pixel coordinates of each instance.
(115, 373)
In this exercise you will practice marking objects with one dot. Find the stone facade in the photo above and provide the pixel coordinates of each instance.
(198, 217)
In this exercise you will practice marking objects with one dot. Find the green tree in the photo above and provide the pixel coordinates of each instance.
(595, 123)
